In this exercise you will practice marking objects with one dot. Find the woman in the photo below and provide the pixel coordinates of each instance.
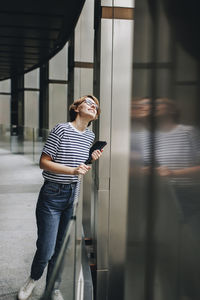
(62, 161)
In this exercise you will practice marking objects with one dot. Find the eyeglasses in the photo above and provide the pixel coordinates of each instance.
(89, 102)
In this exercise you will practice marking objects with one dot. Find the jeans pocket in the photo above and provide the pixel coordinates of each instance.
(50, 188)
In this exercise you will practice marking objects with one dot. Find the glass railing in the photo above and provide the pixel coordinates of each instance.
(5, 136)
(23, 140)
(71, 274)
(64, 273)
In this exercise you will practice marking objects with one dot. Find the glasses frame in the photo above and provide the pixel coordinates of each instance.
(90, 102)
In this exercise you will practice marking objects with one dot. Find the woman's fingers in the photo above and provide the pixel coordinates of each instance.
(164, 171)
(81, 169)
(96, 154)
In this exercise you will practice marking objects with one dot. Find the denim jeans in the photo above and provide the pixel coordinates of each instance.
(53, 212)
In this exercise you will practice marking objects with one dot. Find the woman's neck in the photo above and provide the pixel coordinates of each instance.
(80, 124)
(166, 125)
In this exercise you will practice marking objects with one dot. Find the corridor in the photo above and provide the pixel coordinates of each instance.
(19, 186)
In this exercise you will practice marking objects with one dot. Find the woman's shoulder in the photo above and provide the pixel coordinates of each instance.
(184, 127)
(189, 132)
(60, 128)
(187, 128)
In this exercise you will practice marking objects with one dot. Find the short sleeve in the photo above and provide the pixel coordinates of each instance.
(53, 141)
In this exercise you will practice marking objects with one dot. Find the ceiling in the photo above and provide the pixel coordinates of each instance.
(31, 32)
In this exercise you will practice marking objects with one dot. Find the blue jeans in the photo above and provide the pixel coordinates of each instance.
(53, 212)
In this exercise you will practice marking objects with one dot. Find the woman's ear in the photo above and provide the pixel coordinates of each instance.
(76, 109)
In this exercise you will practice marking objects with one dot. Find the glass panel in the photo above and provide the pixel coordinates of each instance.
(63, 275)
(67, 272)
(23, 140)
(163, 259)
(5, 136)
(28, 142)
(39, 138)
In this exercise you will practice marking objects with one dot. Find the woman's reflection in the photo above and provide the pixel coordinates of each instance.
(140, 133)
(177, 153)
(176, 157)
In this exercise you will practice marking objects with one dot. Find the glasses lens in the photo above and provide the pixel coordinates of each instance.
(90, 103)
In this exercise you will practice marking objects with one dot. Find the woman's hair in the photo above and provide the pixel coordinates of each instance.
(76, 103)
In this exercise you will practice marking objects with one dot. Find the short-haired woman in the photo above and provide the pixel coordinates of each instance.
(62, 161)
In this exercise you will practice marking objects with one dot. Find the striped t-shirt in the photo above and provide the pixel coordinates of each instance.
(176, 149)
(68, 146)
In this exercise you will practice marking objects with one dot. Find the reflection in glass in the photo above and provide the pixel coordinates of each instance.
(177, 154)
(169, 152)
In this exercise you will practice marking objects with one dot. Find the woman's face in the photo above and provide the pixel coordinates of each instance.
(88, 108)
(141, 108)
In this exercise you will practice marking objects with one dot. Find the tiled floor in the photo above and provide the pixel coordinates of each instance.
(20, 181)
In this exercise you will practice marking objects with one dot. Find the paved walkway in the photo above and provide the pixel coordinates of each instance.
(20, 181)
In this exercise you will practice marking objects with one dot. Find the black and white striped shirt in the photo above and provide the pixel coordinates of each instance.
(68, 146)
(176, 149)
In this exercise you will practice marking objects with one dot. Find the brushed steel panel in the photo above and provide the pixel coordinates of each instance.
(102, 285)
(142, 82)
(187, 68)
(143, 33)
(163, 238)
(186, 106)
(121, 97)
(163, 40)
(105, 101)
(87, 204)
(115, 94)
(102, 230)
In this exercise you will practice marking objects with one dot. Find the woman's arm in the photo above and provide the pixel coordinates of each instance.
(184, 172)
(47, 164)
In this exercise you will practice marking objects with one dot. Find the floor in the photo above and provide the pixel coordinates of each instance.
(20, 181)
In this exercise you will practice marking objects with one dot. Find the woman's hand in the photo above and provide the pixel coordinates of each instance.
(164, 171)
(81, 169)
(96, 154)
